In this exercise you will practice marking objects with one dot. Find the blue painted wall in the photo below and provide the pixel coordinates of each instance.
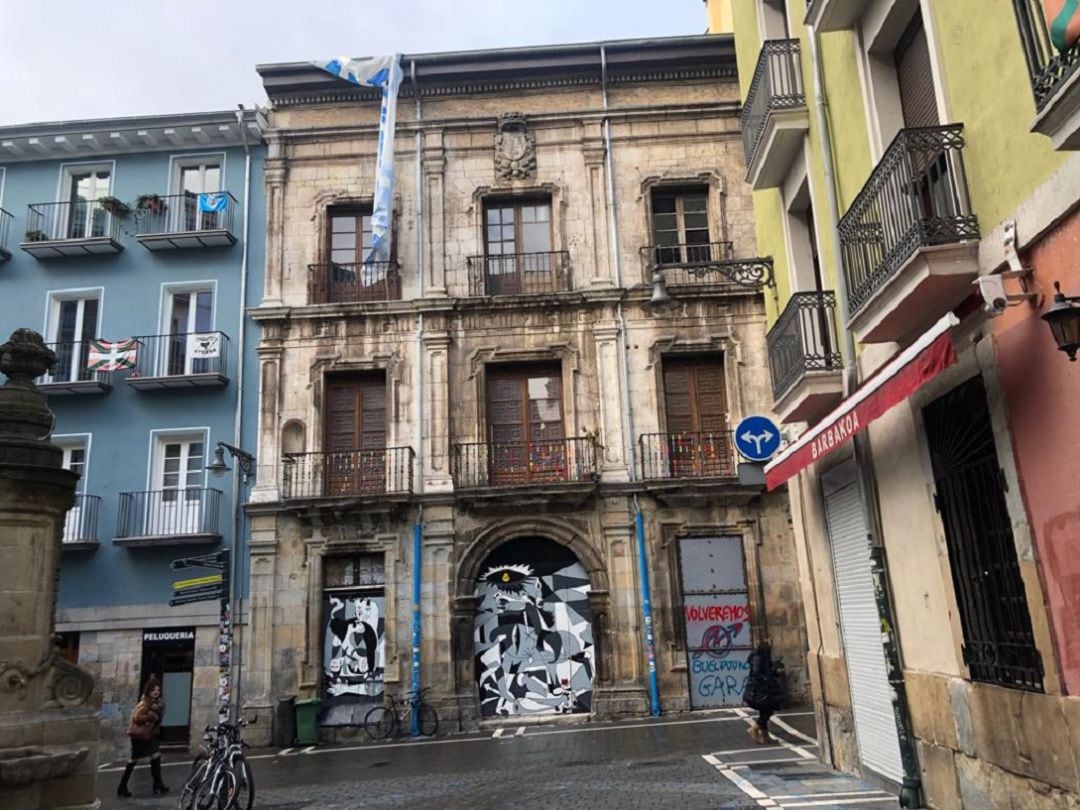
(120, 421)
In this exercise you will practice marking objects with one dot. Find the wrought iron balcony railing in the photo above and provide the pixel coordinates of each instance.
(672, 456)
(348, 474)
(777, 85)
(81, 521)
(704, 263)
(803, 339)
(5, 227)
(169, 513)
(520, 273)
(70, 221)
(72, 361)
(480, 465)
(185, 220)
(350, 283)
(1048, 67)
(192, 355)
(916, 197)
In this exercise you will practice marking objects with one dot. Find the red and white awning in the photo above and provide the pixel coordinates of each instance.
(898, 379)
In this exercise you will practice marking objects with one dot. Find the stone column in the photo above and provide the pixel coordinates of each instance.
(48, 735)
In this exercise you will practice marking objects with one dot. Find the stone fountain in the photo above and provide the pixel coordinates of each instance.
(48, 731)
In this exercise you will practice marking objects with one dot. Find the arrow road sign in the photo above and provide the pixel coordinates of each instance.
(187, 600)
(757, 438)
(213, 579)
(220, 560)
(210, 591)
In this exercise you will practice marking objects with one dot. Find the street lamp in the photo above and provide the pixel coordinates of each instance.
(752, 273)
(244, 460)
(1064, 321)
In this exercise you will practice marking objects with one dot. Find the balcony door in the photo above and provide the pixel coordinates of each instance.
(525, 424)
(695, 404)
(680, 220)
(175, 505)
(190, 312)
(194, 179)
(73, 323)
(355, 459)
(85, 219)
(349, 277)
(517, 245)
(75, 460)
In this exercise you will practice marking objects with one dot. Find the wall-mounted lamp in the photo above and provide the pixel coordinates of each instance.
(1064, 320)
(244, 460)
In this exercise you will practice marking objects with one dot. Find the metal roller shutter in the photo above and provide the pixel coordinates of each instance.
(915, 77)
(871, 697)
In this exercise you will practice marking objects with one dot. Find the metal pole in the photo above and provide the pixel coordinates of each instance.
(418, 534)
(646, 609)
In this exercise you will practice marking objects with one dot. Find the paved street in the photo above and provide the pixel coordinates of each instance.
(687, 762)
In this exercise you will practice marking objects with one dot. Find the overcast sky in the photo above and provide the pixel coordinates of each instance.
(65, 59)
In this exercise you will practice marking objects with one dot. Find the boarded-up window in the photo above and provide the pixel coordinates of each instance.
(356, 434)
(525, 422)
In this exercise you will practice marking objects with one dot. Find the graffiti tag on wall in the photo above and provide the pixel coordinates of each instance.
(718, 634)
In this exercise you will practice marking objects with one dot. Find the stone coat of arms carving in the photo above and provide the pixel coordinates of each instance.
(515, 148)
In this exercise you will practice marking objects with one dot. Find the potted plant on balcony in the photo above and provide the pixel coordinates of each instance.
(150, 203)
(115, 206)
(35, 236)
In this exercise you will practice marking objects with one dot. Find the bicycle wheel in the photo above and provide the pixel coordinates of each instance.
(217, 792)
(244, 798)
(429, 720)
(193, 782)
(379, 723)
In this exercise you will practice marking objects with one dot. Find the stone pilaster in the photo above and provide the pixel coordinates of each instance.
(435, 465)
(598, 256)
(270, 352)
(434, 186)
(608, 363)
(274, 176)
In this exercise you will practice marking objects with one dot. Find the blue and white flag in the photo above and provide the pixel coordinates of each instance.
(385, 72)
(214, 202)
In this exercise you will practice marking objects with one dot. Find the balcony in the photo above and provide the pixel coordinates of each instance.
(520, 273)
(356, 474)
(910, 241)
(81, 524)
(774, 117)
(181, 221)
(194, 360)
(704, 263)
(833, 15)
(1055, 77)
(71, 375)
(169, 517)
(549, 472)
(670, 456)
(804, 358)
(353, 283)
(5, 226)
(56, 230)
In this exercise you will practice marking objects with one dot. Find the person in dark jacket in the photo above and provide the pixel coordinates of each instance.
(764, 691)
(144, 730)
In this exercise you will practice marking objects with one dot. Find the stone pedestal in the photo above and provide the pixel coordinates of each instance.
(48, 732)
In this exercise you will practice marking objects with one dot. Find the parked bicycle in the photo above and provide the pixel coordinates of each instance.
(384, 721)
(221, 777)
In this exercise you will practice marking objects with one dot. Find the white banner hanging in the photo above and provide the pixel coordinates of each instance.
(206, 345)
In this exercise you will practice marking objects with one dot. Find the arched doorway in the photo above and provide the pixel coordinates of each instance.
(533, 635)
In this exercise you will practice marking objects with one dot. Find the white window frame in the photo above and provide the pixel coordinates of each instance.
(169, 289)
(53, 300)
(63, 187)
(3, 177)
(168, 517)
(72, 441)
(179, 162)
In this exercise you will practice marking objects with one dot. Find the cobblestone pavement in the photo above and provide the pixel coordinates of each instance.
(688, 761)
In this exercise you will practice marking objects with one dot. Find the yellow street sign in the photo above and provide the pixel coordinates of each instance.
(213, 579)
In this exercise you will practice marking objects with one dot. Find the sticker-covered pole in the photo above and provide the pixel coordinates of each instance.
(646, 609)
(418, 533)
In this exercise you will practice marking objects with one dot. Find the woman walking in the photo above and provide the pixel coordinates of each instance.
(143, 731)
(764, 691)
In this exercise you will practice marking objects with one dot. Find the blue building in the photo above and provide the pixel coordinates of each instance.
(149, 230)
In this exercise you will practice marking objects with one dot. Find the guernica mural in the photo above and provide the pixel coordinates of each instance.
(533, 631)
(354, 638)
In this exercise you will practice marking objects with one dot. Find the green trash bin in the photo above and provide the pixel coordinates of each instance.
(307, 721)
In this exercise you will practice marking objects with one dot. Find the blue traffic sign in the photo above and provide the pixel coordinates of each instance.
(757, 438)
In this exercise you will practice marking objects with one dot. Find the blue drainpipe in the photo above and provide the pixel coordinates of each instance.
(418, 533)
(646, 608)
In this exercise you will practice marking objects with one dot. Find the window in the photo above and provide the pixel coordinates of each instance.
(517, 247)
(181, 467)
(350, 276)
(999, 644)
(695, 407)
(189, 314)
(915, 77)
(355, 445)
(772, 19)
(75, 460)
(1051, 61)
(80, 523)
(83, 187)
(175, 506)
(525, 423)
(680, 222)
(73, 323)
(192, 178)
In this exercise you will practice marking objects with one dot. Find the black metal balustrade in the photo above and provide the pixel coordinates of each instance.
(704, 263)
(185, 220)
(667, 456)
(520, 273)
(916, 197)
(1048, 67)
(70, 221)
(777, 85)
(191, 355)
(169, 513)
(349, 283)
(348, 474)
(514, 464)
(72, 365)
(803, 339)
(5, 227)
(81, 521)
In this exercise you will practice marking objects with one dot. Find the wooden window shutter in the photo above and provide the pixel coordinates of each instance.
(695, 395)
(915, 77)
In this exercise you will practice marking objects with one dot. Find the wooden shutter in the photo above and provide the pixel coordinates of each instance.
(915, 77)
(356, 421)
(695, 395)
(525, 423)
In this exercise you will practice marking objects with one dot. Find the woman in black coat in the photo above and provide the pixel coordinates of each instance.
(763, 692)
